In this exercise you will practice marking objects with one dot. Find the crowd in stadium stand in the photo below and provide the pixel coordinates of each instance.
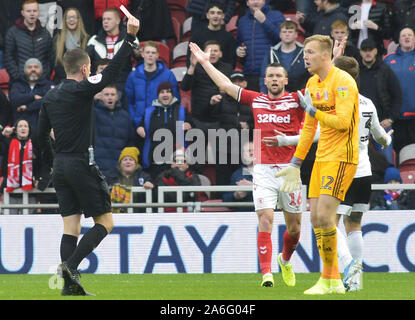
(163, 84)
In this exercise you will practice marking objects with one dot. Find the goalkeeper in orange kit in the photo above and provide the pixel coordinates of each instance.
(331, 100)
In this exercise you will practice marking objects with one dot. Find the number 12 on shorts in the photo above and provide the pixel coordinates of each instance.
(326, 181)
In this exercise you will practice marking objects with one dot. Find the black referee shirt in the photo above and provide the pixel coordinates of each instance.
(67, 107)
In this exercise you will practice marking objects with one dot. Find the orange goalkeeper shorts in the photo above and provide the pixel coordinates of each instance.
(332, 178)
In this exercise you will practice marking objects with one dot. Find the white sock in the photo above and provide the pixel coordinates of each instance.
(355, 244)
(284, 262)
(343, 253)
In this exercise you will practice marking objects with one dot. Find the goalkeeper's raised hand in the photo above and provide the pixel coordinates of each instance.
(306, 102)
(291, 176)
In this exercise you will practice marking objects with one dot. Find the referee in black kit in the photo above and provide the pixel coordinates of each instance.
(80, 186)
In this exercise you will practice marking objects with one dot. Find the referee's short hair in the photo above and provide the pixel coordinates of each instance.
(74, 59)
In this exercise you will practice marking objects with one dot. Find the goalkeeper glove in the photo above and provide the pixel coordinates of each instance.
(291, 176)
(306, 102)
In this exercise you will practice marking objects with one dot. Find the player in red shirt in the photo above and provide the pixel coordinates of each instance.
(277, 110)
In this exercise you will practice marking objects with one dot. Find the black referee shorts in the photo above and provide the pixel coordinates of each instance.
(80, 188)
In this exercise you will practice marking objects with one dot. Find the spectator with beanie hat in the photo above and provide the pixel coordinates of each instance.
(142, 83)
(130, 174)
(165, 112)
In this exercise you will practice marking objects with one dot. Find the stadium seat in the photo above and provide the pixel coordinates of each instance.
(231, 26)
(179, 3)
(386, 43)
(408, 176)
(180, 54)
(209, 171)
(179, 73)
(407, 156)
(186, 100)
(172, 42)
(164, 52)
(392, 46)
(239, 65)
(178, 9)
(187, 29)
(214, 209)
(4, 81)
(204, 181)
(301, 31)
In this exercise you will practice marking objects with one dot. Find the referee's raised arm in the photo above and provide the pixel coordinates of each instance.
(80, 186)
(94, 84)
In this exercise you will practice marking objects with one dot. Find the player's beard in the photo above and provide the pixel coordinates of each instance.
(275, 92)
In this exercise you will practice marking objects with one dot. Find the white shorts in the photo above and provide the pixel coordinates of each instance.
(266, 190)
(346, 210)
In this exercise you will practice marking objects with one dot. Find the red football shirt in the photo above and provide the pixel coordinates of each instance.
(284, 114)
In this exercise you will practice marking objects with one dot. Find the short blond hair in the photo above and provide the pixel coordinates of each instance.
(326, 44)
(339, 24)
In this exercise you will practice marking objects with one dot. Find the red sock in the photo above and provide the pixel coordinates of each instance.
(290, 244)
(264, 251)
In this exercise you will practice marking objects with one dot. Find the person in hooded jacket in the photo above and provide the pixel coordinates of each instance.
(165, 113)
(141, 85)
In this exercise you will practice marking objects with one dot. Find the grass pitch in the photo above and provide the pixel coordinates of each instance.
(377, 286)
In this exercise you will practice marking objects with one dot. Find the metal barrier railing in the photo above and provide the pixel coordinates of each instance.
(181, 189)
(25, 205)
(193, 206)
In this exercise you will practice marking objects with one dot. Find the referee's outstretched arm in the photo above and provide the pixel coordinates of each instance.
(85, 88)
(94, 84)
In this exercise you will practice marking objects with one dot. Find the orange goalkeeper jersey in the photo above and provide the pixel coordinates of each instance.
(337, 102)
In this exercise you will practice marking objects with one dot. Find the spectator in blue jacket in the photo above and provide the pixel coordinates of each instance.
(114, 131)
(168, 114)
(258, 30)
(289, 53)
(242, 177)
(142, 83)
(402, 62)
(27, 92)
